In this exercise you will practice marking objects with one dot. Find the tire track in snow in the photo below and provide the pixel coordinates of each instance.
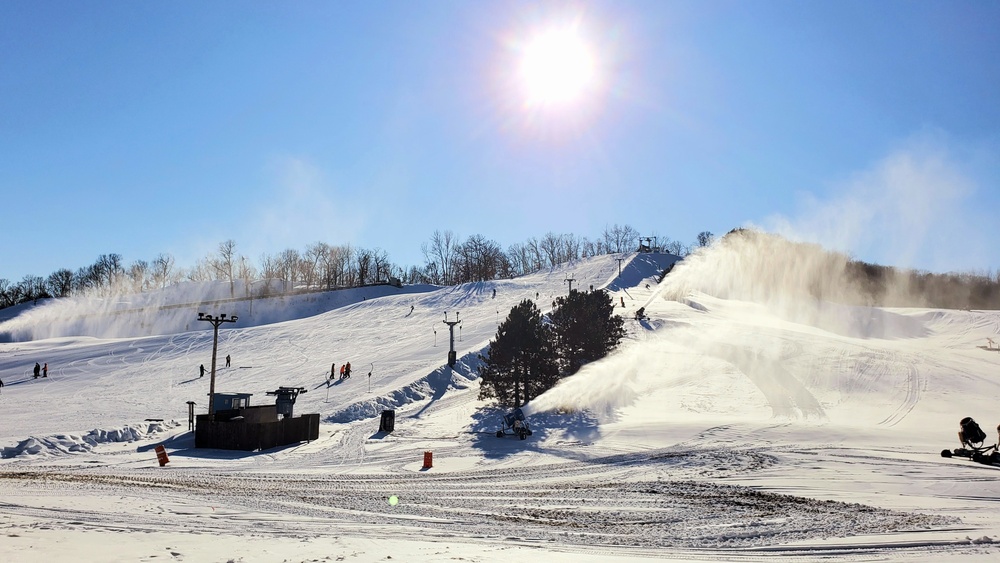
(913, 385)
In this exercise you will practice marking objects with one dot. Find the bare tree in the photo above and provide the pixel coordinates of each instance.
(441, 251)
(705, 238)
(163, 270)
(59, 283)
(246, 272)
(288, 261)
(138, 275)
(620, 238)
(676, 248)
(551, 247)
(381, 265)
(315, 258)
(341, 258)
(270, 269)
(32, 288)
(110, 270)
(224, 264)
(6, 297)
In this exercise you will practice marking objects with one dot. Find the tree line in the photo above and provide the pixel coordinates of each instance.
(448, 260)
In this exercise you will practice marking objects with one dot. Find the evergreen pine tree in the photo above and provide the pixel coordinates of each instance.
(585, 327)
(521, 363)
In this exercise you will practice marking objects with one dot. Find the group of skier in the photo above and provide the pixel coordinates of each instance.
(345, 371)
(42, 371)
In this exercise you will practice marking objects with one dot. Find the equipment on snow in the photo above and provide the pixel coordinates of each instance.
(972, 438)
(514, 424)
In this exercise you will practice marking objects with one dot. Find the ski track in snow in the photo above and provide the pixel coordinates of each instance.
(730, 482)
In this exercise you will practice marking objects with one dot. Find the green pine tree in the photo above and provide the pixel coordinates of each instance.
(521, 362)
(586, 328)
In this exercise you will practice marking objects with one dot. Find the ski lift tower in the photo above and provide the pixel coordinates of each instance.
(452, 356)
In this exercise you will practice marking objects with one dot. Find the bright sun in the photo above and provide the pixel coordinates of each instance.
(557, 68)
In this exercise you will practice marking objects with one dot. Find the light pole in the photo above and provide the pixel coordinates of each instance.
(216, 321)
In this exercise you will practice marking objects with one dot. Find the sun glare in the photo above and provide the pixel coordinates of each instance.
(557, 68)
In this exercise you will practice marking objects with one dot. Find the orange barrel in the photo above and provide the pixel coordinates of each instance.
(428, 457)
(161, 456)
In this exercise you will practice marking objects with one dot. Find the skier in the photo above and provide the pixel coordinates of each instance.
(333, 370)
(202, 370)
(347, 373)
(1, 384)
(38, 369)
(341, 372)
(45, 370)
(494, 293)
(227, 360)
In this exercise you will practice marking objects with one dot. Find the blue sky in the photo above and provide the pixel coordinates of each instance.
(141, 128)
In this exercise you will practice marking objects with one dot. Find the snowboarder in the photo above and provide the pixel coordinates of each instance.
(228, 359)
(45, 370)
(38, 369)
(202, 370)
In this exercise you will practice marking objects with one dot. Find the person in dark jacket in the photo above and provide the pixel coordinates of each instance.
(202, 370)
(38, 370)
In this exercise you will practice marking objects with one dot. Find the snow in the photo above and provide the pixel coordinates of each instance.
(732, 424)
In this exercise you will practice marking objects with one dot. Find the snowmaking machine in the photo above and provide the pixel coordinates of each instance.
(973, 444)
(514, 424)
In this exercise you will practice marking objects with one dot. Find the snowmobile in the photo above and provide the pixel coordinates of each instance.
(513, 424)
(973, 447)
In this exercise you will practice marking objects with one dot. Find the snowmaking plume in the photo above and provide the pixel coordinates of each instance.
(120, 313)
(799, 282)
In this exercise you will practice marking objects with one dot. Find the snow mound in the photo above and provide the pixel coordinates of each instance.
(59, 444)
(432, 386)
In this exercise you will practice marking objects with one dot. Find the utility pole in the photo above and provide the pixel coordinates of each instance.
(570, 281)
(619, 266)
(216, 321)
(452, 356)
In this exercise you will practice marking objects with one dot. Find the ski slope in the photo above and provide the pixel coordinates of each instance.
(722, 429)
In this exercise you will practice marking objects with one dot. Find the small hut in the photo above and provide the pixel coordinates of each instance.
(238, 426)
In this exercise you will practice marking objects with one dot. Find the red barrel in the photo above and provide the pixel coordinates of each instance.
(428, 458)
(161, 456)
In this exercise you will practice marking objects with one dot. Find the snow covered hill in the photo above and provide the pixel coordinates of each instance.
(726, 426)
